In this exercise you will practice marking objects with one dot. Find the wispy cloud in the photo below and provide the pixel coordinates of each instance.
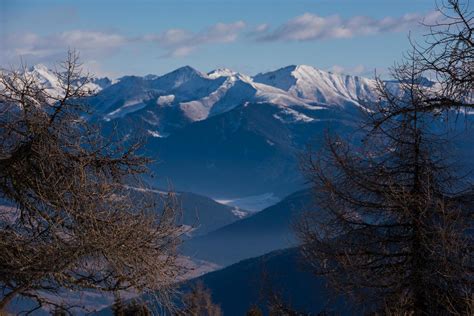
(360, 70)
(177, 42)
(311, 27)
(356, 70)
(36, 48)
(180, 43)
(97, 44)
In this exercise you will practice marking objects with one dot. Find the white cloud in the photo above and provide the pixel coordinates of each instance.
(310, 27)
(95, 45)
(262, 28)
(36, 48)
(179, 43)
(356, 70)
(89, 40)
(359, 70)
(337, 69)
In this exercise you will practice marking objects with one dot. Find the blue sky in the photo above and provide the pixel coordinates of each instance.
(141, 37)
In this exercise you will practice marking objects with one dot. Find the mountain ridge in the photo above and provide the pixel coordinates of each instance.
(199, 95)
(223, 133)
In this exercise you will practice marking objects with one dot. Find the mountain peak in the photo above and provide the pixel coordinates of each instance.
(293, 71)
(178, 77)
(221, 72)
(310, 83)
(187, 70)
(40, 67)
(306, 68)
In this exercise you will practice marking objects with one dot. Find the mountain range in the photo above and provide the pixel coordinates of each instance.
(229, 137)
(223, 133)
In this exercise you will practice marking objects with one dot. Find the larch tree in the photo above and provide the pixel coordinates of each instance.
(394, 230)
(69, 221)
(445, 56)
(198, 302)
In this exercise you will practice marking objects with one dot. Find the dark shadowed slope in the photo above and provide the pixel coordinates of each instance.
(205, 214)
(199, 213)
(239, 286)
(256, 235)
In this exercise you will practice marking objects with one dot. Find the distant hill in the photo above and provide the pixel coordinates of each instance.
(206, 215)
(253, 236)
(239, 286)
(199, 213)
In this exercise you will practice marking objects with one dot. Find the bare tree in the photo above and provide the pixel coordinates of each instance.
(394, 230)
(70, 222)
(448, 53)
(446, 57)
(395, 227)
(277, 306)
(254, 311)
(132, 308)
(198, 302)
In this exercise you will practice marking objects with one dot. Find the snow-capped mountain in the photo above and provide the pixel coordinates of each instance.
(227, 134)
(160, 105)
(191, 95)
(224, 133)
(48, 79)
(319, 86)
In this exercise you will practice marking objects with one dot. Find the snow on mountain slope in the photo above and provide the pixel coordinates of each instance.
(235, 128)
(319, 86)
(198, 110)
(186, 83)
(125, 96)
(236, 90)
(131, 93)
(169, 102)
(128, 107)
(221, 72)
(165, 99)
(44, 76)
(48, 79)
(198, 95)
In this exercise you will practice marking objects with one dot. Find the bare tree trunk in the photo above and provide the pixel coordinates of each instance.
(8, 298)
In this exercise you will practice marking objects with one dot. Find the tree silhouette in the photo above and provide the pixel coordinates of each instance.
(70, 220)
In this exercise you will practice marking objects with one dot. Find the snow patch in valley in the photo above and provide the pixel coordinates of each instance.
(187, 230)
(237, 212)
(195, 267)
(254, 203)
